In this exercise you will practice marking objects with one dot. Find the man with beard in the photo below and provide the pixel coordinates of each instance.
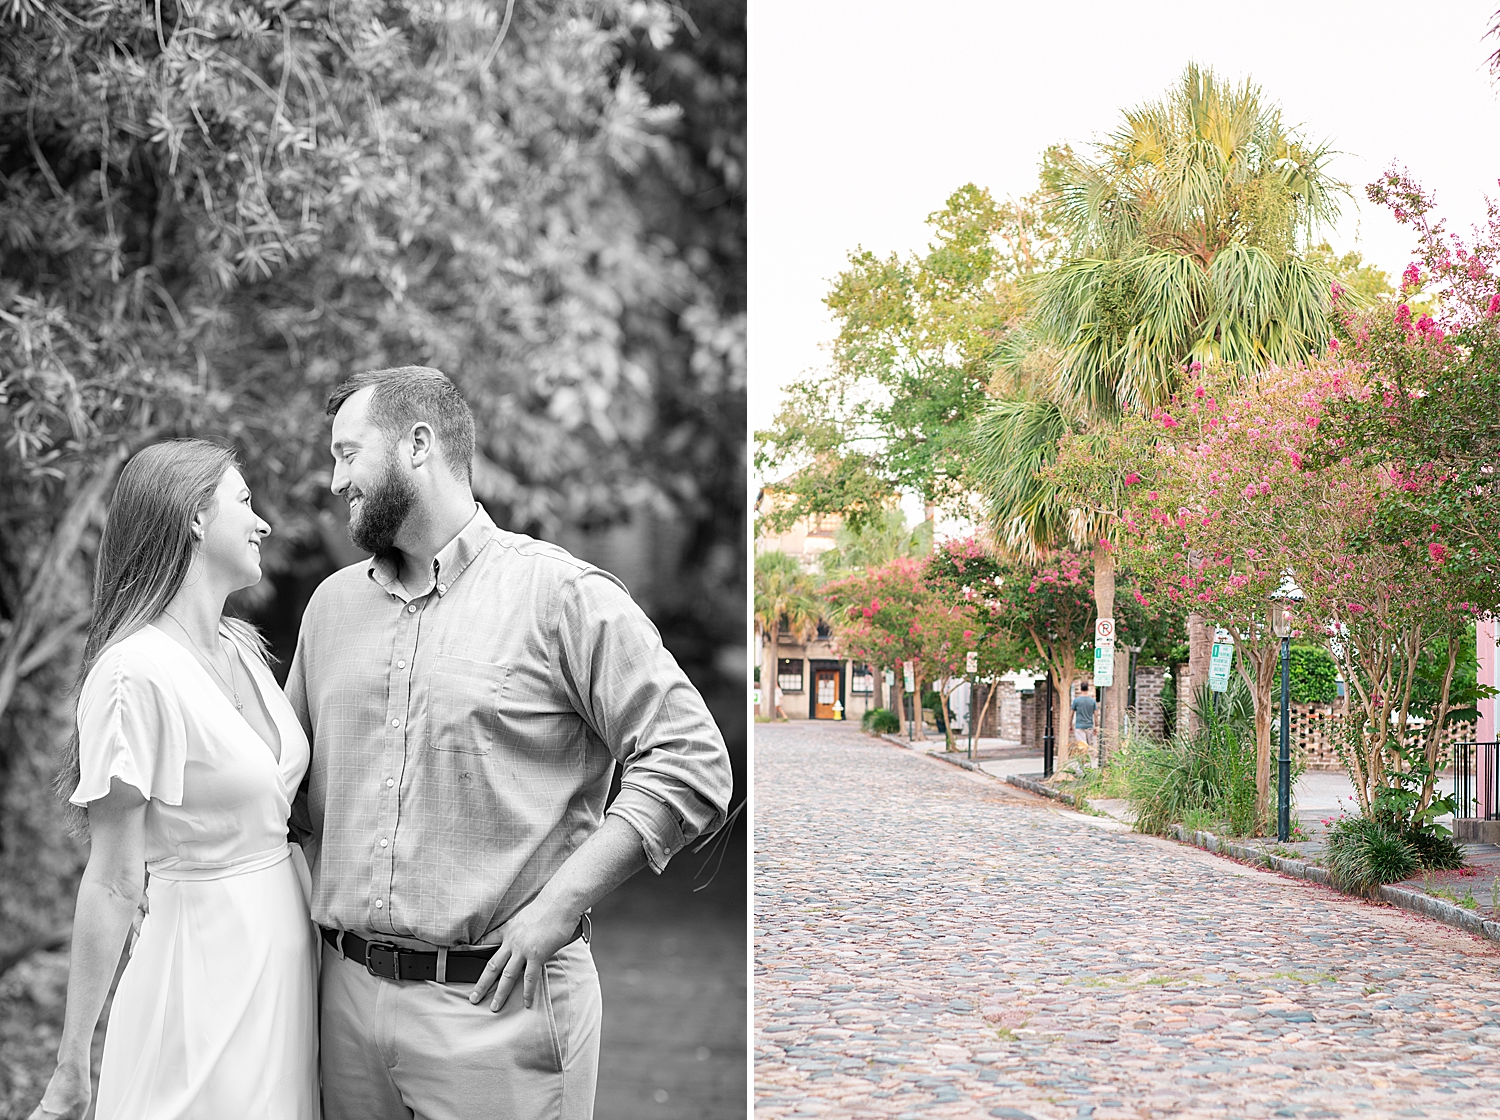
(468, 692)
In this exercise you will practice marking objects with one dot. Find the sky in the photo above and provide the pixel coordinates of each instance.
(865, 115)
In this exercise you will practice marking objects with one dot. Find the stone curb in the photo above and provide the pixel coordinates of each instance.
(1415, 901)
(1038, 787)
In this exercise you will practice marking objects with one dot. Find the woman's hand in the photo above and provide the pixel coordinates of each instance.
(67, 1094)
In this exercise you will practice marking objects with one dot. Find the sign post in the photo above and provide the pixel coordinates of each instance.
(971, 667)
(1104, 676)
(1221, 660)
(909, 678)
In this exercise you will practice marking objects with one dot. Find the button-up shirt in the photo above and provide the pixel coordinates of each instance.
(464, 735)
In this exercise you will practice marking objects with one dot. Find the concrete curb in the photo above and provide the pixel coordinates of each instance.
(1415, 901)
(1037, 787)
(963, 763)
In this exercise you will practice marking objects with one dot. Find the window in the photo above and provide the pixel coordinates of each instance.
(862, 681)
(789, 674)
(824, 631)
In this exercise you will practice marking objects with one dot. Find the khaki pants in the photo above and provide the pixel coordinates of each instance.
(419, 1050)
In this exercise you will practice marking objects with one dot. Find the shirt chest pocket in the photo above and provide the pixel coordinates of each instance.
(463, 704)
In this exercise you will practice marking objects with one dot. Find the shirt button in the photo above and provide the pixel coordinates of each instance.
(379, 904)
(389, 782)
(395, 723)
(383, 841)
(401, 664)
(411, 608)
(442, 587)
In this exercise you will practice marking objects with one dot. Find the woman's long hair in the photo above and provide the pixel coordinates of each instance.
(144, 555)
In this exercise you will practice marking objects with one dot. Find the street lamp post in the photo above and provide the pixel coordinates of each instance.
(1282, 601)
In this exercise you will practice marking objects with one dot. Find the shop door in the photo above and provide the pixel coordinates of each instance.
(825, 693)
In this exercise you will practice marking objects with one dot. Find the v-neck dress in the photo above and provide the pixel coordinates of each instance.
(216, 1012)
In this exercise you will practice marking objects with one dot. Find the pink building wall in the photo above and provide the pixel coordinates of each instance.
(1489, 673)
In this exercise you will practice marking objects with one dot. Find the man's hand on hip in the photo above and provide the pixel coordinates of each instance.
(527, 942)
(538, 930)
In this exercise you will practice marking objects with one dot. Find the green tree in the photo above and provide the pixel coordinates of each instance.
(916, 348)
(785, 596)
(881, 539)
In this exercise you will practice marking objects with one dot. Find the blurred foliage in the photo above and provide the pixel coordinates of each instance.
(213, 211)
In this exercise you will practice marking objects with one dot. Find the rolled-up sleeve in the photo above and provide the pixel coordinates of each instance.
(676, 780)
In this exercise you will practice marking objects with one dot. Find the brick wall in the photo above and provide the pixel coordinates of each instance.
(1312, 733)
(1149, 717)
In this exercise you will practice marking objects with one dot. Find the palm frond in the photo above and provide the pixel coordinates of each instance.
(1012, 442)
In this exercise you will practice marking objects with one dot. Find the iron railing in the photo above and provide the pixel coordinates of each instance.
(1476, 780)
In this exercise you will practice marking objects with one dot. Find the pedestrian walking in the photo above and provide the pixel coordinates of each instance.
(1083, 716)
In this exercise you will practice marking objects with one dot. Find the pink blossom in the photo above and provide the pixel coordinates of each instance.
(1200, 392)
(1403, 315)
(1411, 278)
(1194, 367)
(1132, 478)
(1437, 552)
(1494, 304)
(1333, 346)
(1168, 422)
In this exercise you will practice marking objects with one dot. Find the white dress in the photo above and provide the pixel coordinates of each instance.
(216, 1014)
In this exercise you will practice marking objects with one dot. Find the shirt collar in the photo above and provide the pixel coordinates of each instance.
(447, 565)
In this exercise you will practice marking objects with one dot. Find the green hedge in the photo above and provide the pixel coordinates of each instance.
(1313, 676)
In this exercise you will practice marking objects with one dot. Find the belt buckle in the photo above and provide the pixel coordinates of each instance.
(390, 959)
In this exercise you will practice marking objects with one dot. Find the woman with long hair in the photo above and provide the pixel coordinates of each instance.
(185, 759)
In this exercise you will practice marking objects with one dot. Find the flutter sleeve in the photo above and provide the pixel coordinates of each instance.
(129, 727)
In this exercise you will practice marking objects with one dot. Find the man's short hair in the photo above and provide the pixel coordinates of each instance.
(1083, 686)
(407, 395)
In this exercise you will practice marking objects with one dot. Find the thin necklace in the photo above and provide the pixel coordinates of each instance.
(239, 705)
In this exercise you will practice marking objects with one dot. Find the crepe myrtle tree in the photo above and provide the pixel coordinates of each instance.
(891, 613)
(1226, 505)
(964, 571)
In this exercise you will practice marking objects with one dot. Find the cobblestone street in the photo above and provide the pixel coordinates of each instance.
(931, 943)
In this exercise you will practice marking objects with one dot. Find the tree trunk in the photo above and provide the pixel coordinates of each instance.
(1200, 652)
(878, 677)
(37, 604)
(898, 692)
(1063, 676)
(1265, 662)
(1109, 716)
(775, 647)
(920, 730)
(989, 698)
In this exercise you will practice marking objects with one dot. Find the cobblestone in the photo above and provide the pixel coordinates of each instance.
(931, 943)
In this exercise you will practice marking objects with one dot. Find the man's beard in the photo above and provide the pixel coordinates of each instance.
(383, 510)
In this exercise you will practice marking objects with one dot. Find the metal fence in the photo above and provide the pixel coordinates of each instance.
(1476, 780)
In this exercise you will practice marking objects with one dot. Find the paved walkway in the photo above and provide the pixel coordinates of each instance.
(931, 943)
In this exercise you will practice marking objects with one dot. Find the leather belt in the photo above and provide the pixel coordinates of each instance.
(394, 962)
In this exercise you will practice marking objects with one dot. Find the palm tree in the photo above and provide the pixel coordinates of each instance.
(1183, 245)
(879, 540)
(784, 594)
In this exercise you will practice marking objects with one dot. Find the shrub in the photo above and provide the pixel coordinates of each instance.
(1363, 855)
(880, 721)
(1206, 777)
(1314, 676)
(1388, 844)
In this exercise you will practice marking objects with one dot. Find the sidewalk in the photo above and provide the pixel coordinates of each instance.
(1468, 898)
